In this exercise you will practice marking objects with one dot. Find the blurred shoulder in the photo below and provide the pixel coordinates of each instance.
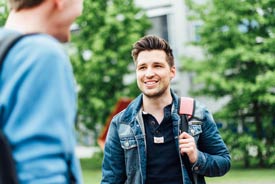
(41, 43)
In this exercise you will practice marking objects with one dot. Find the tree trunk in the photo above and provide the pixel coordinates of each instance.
(259, 130)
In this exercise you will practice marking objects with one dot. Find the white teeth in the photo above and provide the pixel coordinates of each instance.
(150, 82)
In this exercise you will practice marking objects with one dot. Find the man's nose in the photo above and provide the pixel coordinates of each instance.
(149, 73)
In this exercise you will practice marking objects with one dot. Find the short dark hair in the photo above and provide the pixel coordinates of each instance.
(152, 42)
(22, 4)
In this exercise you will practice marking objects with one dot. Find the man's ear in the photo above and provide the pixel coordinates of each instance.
(173, 72)
(59, 4)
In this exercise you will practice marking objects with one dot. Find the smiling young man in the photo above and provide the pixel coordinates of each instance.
(38, 96)
(145, 144)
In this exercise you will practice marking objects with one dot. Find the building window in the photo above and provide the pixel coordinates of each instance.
(159, 27)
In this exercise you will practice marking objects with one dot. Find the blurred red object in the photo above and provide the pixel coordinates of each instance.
(120, 105)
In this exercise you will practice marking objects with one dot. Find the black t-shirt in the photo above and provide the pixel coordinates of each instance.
(163, 163)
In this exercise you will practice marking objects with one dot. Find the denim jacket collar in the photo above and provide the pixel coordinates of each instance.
(135, 107)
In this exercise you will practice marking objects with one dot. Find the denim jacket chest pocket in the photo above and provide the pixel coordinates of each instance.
(129, 144)
(126, 136)
(195, 129)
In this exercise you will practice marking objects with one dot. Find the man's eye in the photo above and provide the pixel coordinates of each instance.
(141, 68)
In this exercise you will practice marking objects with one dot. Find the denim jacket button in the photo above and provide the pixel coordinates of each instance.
(196, 168)
(126, 143)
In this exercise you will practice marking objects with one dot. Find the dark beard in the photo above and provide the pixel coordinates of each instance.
(155, 95)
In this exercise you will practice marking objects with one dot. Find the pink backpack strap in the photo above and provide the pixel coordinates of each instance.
(186, 111)
(186, 106)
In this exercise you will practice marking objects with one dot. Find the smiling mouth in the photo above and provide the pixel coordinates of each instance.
(150, 83)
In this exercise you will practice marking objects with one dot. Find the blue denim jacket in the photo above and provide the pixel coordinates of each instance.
(125, 148)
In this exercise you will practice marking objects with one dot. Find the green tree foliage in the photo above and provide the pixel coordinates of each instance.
(3, 12)
(238, 40)
(101, 54)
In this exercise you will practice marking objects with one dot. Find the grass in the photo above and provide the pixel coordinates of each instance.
(235, 176)
(91, 169)
(92, 174)
(244, 176)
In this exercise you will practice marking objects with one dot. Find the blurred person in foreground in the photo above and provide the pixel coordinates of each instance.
(38, 98)
(144, 142)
